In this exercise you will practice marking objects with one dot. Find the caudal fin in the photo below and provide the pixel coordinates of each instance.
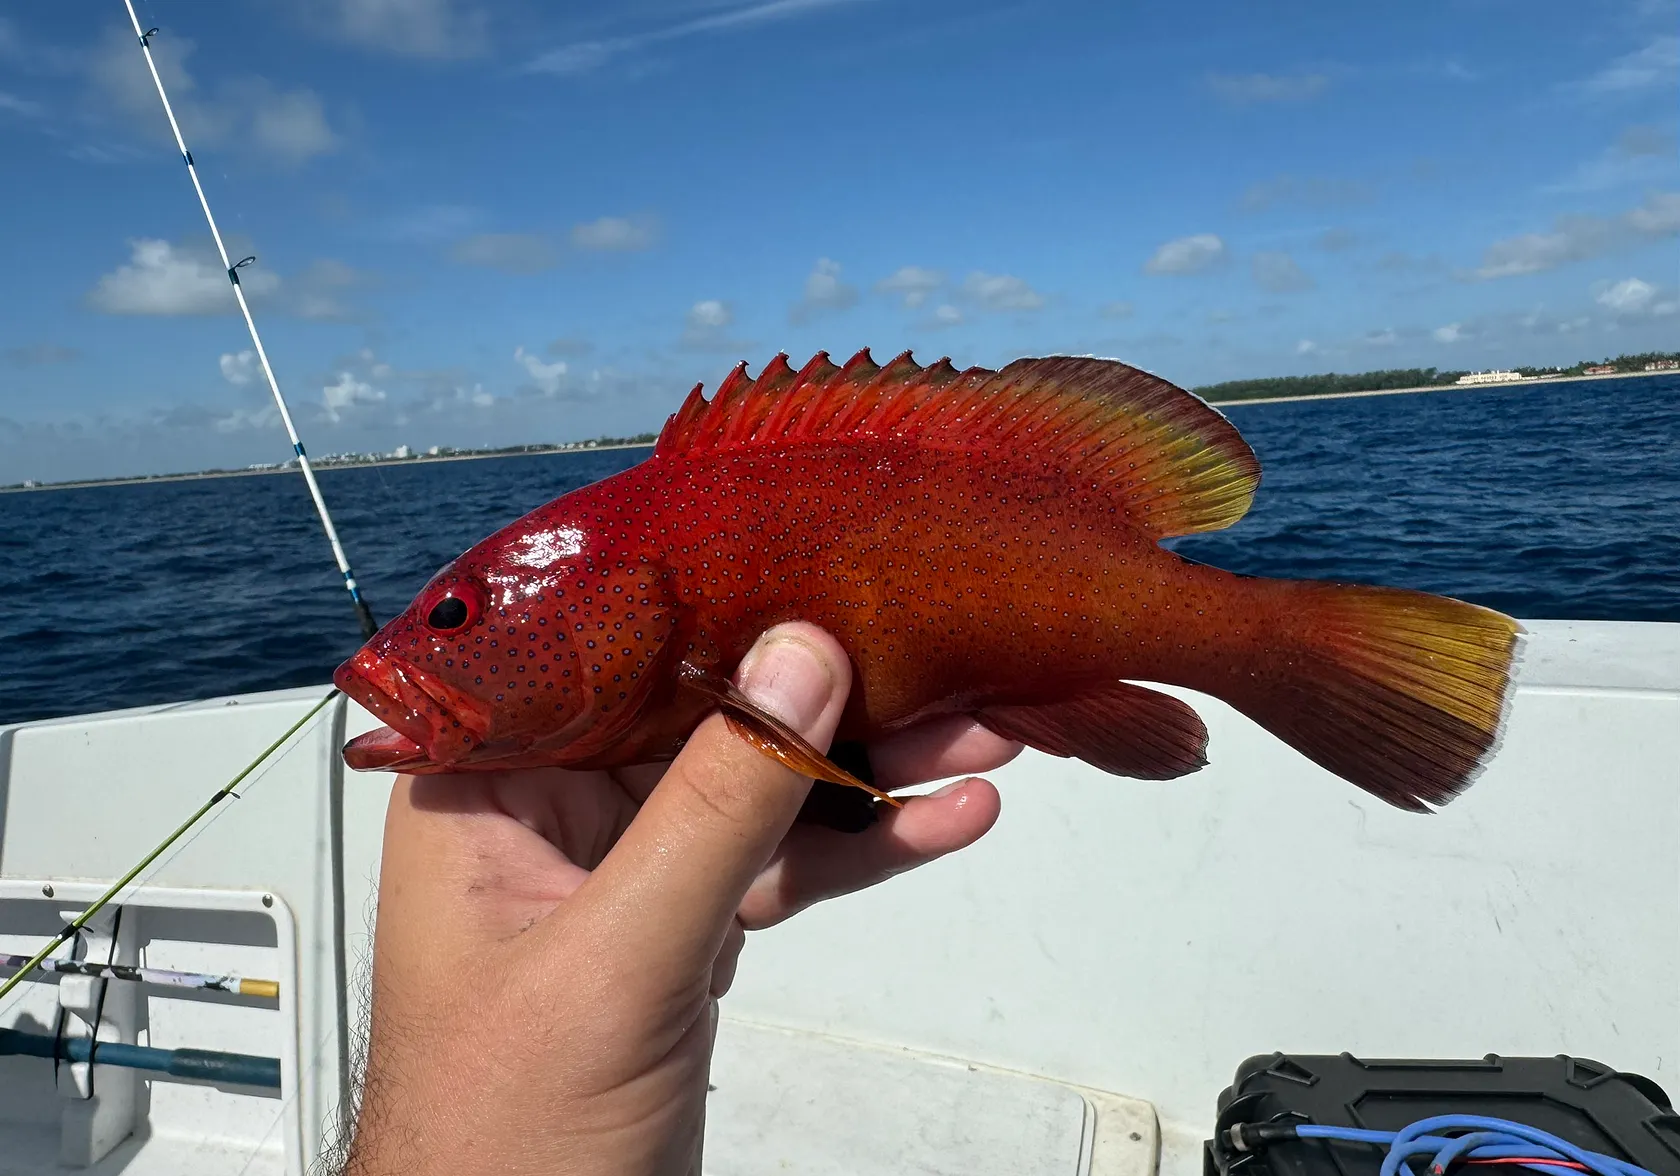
(1402, 693)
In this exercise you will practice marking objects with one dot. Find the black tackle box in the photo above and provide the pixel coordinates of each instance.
(1588, 1104)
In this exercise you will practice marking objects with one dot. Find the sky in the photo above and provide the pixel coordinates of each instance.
(481, 224)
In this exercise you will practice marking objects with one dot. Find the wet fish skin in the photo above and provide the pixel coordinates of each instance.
(984, 543)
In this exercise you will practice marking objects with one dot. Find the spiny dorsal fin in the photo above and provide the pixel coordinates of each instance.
(1175, 463)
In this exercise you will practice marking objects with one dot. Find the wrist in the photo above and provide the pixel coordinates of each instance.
(456, 1121)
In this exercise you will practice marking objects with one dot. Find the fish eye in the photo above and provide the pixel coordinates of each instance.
(456, 607)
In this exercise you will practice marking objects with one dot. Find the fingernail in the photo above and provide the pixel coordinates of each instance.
(787, 678)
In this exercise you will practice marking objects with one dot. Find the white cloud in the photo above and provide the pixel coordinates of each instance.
(1634, 298)
(164, 279)
(475, 396)
(241, 419)
(292, 126)
(409, 28)
(1187, 255)
(823, 291)
(118, 72)
(709, 315)
(1628, 296)
(433, 222)
(239, 369)
(315, 292)
(1305, 347)
(946, 315)
(616, 233)
(514, 253)
(581, 57)
(1277, 272)
(1641, 155)
(1646, 140)
(442, 398)
(22, 107)
(1659, 216)
(546, 376)
(347, 391)
(705, 326)
(1656, 66)
(1001, 292)
(1116, 310)
(1614, 168)
(912, 283)
(1386, 337)
(1306, 191)
(284, 126)
(1577, 238)
(1262, 87)
(1451, 333)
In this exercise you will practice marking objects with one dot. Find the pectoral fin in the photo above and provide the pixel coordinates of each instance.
(770, 735)
(1123, 729)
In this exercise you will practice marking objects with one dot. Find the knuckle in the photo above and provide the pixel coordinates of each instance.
(720, 799)
(716, 790)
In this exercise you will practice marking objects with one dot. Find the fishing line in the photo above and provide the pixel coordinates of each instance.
(75, 925)
(363, 614)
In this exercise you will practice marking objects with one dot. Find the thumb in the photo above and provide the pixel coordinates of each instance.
(672, 884)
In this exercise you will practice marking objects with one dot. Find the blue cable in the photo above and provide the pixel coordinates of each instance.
(1488, 1139)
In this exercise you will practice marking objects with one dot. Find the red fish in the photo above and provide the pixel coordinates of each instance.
(981, 542)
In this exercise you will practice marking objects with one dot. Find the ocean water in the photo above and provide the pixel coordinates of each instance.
(1561, 500)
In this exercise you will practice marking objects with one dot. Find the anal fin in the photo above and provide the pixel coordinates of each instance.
(1123, 729)
(764, 731)
(837, 807)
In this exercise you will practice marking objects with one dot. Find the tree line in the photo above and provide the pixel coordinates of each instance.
(1328, 383)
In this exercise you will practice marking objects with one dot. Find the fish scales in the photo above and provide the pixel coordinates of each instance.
(924, 567)
(983, 543)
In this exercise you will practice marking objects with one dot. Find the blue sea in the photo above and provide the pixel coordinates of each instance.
(1559, 500)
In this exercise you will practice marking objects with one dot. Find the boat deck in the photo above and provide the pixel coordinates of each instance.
(1069, 996)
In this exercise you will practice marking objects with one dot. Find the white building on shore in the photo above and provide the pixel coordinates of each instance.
(1494, 377)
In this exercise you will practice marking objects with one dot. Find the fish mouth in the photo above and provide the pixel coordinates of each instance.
(427, 722)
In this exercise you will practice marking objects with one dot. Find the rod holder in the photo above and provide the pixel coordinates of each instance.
(99, 1103)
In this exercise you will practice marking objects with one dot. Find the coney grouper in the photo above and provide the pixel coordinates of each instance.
(984, 543)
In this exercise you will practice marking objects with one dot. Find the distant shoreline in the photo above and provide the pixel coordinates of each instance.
(319, 469)
(1528, 382)
(428, 460)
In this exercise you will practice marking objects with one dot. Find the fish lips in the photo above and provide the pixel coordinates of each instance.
(427, 720)
(385, 750)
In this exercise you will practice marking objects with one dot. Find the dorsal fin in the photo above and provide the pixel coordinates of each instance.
(1174, 462)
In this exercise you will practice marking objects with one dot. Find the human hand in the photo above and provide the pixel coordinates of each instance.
(551, 945)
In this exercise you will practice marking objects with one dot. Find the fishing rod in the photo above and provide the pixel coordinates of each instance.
(363, 614)
(200, 1065)
(195, 1063)
(75, 925)
(162, 977)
